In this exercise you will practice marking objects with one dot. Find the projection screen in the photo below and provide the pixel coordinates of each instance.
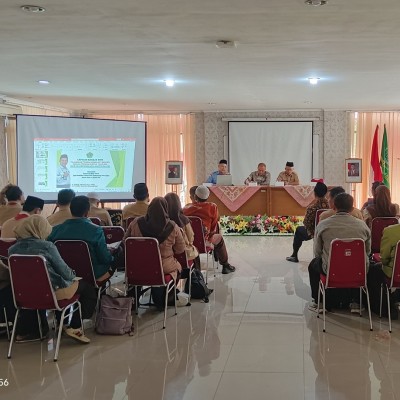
(86, 155)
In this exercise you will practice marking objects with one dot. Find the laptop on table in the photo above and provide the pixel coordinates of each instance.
(224, 180)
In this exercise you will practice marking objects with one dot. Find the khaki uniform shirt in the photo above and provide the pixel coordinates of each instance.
(60, 216)
(7, 230)
(291, 179)
(9, 211)
(134, 210)
(100, 213)
(326, 214)
(259, 178)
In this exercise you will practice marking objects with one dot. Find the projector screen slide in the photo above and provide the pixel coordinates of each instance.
(272, 143)
(86, 155)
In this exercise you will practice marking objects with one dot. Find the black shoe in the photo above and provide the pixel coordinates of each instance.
(228, 268)
(292, 259)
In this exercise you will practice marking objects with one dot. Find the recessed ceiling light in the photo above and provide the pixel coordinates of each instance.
(316, 3)
(225, 44)
(212, 104)
(313, 81)
(169, 82)
(33, 9)
(43, 82)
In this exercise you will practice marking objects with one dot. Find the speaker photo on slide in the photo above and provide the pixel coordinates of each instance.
(173, 172)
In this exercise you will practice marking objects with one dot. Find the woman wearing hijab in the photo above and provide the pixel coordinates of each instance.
(175, 214)
(31, 239)
(157, 224)
(382, 207)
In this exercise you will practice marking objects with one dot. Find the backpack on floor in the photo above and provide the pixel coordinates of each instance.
(199, 287)
(115, 316)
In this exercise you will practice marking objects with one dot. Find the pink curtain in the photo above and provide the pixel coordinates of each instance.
(169, 138)
(362, 132)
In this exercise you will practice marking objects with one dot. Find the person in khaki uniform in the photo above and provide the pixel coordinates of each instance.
(96, 211)
(288, 176)
(11, 199)
(64, 199)
(139, 208)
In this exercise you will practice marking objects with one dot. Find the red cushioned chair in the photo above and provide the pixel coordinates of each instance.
(113, 233)
(76, 255)
(377, 226)
(5, 244)
(143, 267)
(95, 220)
(37, 293)
(199, 241)
(346, 269)
(391, 283)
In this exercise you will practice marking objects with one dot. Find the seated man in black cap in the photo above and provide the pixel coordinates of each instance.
(139, 208)
(306, 232)
(222, 170)
(32, 205)
(288, 176)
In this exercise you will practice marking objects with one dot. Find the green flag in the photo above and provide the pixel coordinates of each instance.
(385, 159)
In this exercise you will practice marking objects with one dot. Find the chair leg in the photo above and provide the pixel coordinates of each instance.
(40, 325)
(380, 303)
(369, 307)
(360, 301)
(176, 313)
(13, 334)
(319, 298)
(136, 302)
(388, 305)
(166, 305)
(323, 305)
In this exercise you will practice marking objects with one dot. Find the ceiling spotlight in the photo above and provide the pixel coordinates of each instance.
(313, 81)
(33, 9)
(316, 3)
(43, 82)
(169, 82)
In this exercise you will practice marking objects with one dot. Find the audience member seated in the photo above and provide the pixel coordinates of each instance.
(390, 237)
(306, 232)
(64, 198)
(261, 176)
(331, 195)
(98, 212)
(33, 205)
(157, 224)
(11, 198)
(288, 176)
(79, 227)
(139, 208)
(192, 195)
(340, 226)
(371, 201)
(176, 214)
(31, 239)
(222, 170)
(382, 207)
(208, 212)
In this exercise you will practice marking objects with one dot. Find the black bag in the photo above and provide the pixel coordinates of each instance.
(199, 287)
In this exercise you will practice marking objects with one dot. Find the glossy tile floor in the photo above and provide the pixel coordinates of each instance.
(255, 339)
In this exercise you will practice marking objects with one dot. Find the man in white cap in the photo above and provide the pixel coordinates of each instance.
(208, 212)
(96, 211)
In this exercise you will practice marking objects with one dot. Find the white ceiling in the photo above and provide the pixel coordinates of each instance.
(114, 55)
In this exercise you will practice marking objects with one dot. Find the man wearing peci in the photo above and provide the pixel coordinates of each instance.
(222, 170)
(288, 176)
(261, 176)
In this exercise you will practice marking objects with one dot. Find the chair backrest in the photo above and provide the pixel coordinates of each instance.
(77, 256)
(128, 221)
(347, 263)
(95, 220)
(5, 244)
(143, 265)
(182, 259)
(377, 226)
(30, 283)
(396, 267)
(318, 214)
(198, 230)
(113, 233)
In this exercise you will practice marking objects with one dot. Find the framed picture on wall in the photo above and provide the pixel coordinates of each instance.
(353, 170)
(173, 172)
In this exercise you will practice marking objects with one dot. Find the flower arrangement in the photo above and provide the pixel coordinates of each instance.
(259, 225)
